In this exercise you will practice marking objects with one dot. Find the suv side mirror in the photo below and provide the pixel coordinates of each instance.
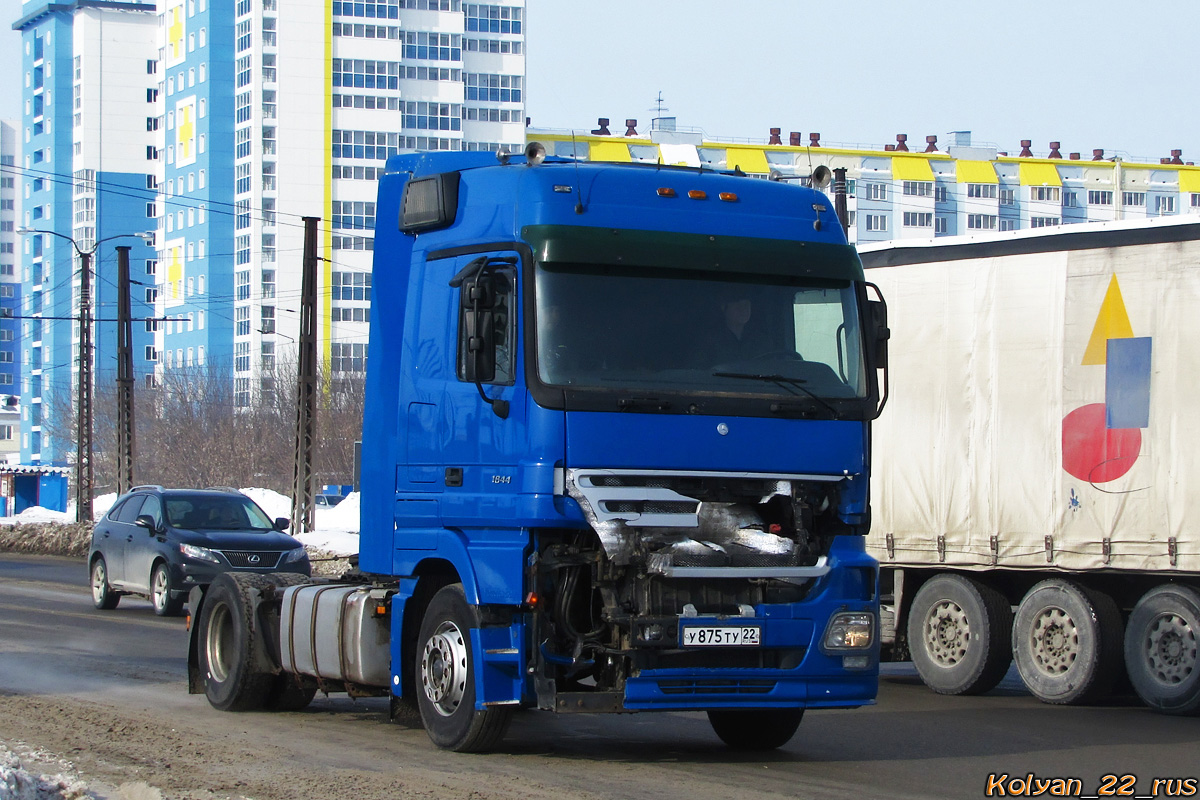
(282, 523)
(146, 521)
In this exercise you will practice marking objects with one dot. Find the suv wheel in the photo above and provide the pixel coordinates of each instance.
(103, 595)
(165, 605)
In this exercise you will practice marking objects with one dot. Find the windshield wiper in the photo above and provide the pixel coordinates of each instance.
(784, 382)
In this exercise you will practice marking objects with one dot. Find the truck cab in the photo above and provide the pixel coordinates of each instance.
(616, 445)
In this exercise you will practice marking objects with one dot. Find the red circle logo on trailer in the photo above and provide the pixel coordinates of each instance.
(1101, 441)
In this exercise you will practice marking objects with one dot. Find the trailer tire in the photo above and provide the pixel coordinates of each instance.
(230, 657)
(1067, 642)
(755, 729)
(1161, 651)
(104, 597)
(959, 632)
(445, 675)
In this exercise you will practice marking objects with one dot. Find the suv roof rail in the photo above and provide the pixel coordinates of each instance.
(147, 486)
(223, 489)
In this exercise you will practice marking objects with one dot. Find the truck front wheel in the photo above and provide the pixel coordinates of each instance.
(1067, 642)
(755, 729)
(445, 675)
(229, 644)
(958, 634)
(1161, 651)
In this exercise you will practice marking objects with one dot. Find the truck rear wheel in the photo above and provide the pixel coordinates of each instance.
(1161, 652)
(755, 729)
(959, 635)
(1067, 641)
(445, 673)
(229, 644)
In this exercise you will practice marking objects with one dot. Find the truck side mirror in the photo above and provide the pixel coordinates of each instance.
(880, 332)
(477, 301)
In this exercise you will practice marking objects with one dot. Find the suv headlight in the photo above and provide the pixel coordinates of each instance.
(199, 553)
(849, 631)
(299, 554)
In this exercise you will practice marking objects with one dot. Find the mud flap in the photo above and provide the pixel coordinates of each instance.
(195, 603)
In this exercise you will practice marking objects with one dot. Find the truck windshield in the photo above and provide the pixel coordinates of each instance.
(699, 332)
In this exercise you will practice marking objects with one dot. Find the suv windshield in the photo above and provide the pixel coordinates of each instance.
(672, 330)
(216, 512)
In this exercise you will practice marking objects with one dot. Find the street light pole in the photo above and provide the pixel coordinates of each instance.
(83, 454)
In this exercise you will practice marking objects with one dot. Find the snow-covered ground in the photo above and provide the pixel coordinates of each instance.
(336, 529)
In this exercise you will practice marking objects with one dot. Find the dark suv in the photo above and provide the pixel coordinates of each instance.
(161, 542)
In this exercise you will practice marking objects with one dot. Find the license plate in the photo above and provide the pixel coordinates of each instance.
(722, 636)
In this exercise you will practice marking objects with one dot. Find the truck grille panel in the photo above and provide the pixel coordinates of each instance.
(250, 559)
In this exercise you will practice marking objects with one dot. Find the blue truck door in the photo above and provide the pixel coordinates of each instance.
(481, 446)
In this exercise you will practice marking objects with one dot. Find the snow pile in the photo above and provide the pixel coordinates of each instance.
(35, 515)
(336, 528)
(18, 784)
(275, 504)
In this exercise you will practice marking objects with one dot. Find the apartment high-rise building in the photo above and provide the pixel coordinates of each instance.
(271, 117)
(219, 127)
(10, 294)
(86, 178)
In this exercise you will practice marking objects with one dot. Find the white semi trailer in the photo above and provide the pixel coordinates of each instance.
(1038, 490)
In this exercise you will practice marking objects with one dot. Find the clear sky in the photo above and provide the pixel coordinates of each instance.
(1116, 75)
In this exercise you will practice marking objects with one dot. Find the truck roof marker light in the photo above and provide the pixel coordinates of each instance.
(697, 194)
(666, 191)
(728, 197)
(535, 153)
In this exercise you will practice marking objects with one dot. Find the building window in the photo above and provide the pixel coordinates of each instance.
(982, 190)
(877, 191)
(1097, 197)
(151, 294)
(940, 194)
(1008, 197)
(242, 321)
(876, 222)
(268, 319)
(1051, 194)
(940, 225)
(1008, 224)
(1043, 222)
(1070, 199)
(6, 432)
(918, 188)
(1164, 204)
(1133, 198)
(981, 222)
(918, 219)
(151, 353)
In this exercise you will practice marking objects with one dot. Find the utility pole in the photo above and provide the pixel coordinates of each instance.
(303, 506)
(83, 453)
(125, 444)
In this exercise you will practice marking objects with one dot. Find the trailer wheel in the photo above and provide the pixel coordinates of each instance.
(958, 635)
(1067, 641)
(104, 597)
(1160, 649)
(755, 729)
(229, 644)
(446, 678)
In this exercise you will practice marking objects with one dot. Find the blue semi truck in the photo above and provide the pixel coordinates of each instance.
(616, 454)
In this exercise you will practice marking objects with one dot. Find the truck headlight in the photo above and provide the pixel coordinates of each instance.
(850, 631)
(199, 553)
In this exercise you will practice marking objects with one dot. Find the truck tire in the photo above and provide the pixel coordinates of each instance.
(104, 597)
(959, 635)
(1067, 642)
(161, 590)
(1160, 649)
(755, 729)
(289, 692)
(229, 644)
(445, 675)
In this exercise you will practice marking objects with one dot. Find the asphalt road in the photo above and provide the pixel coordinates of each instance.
(56, 651)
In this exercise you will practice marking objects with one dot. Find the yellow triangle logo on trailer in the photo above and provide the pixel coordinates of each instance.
(1111, 323)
